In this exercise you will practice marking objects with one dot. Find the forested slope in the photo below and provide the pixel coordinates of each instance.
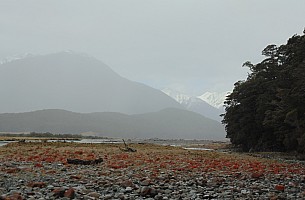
(266, 112)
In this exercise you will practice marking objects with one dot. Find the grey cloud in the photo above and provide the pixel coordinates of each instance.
(200, 44)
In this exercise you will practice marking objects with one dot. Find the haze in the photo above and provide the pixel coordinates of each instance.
(192, 46)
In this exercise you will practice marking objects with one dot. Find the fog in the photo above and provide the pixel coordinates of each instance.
(192, 46)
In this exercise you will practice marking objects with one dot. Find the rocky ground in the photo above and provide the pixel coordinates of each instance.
(41, 171)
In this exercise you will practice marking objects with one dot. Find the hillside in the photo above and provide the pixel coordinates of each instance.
(169, 123)
(199, 106)
(215, 99)
(73, 82)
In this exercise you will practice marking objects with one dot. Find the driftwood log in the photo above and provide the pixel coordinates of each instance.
(127, 148)
(84, 162)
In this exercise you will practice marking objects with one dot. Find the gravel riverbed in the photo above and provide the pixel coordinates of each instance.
(39, 171)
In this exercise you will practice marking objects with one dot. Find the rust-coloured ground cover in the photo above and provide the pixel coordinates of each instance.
(148, 157)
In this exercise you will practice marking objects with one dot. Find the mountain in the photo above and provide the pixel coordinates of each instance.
(170, 123)
(15, 57)
(215, 99)
(195, 104)
(199, 106)
(177, 96)
(76, 82)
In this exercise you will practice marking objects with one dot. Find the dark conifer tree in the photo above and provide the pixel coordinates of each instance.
(267, 111)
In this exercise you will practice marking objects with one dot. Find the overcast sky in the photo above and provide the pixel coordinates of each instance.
(190, 45)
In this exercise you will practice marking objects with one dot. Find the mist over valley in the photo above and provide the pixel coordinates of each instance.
(69, 92)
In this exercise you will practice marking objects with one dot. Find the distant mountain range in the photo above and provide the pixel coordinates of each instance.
(170, 123)
(209, 104)
(118, 107)
(73, 82)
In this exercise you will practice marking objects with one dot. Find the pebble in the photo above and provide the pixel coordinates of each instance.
(128, 189)
(94, 194)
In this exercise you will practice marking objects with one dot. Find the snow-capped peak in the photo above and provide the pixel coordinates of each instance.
(179, 97)
(195, 104)
(15, 57)
(215, 99)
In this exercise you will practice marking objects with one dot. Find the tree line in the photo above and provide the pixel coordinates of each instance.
(266, 112)
(48, 135)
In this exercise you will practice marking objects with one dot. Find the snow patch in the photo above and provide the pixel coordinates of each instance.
(179, 97)
(15, 57)
(215, 99)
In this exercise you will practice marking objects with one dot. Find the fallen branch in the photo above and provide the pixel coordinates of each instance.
(127, 149)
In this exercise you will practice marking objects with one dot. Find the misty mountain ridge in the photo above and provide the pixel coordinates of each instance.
(215, 99)
(180, 97)
(14, 57)
(169, 123)
(117, 107)
(75, 82)
(198, 105)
